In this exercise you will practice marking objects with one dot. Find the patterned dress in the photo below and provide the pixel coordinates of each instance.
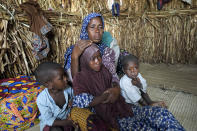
(145, 118)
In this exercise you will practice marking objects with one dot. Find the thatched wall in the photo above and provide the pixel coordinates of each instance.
(167, 36)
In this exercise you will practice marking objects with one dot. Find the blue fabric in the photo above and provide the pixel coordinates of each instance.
(83, 36)
(84, 32)
(116, 9)
(82, 100)
(148, 118)
(86, 20)
(67, 57)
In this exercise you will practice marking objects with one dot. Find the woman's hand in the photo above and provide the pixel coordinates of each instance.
(99, 99)
(80, 47)
(77, 51)
(113, 94)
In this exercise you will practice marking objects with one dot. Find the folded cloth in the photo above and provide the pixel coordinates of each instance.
(39, 26)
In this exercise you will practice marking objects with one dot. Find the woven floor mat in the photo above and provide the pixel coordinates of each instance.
(182, 105)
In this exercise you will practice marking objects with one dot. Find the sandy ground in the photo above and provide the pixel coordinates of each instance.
(174, 84)
(173, 77)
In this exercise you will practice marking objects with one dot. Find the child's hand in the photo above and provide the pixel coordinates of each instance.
(136, 81)
(70, 103)
(72, 123)
(159, 103)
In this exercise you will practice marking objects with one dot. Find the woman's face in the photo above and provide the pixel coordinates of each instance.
(96, 61)
(95, 29)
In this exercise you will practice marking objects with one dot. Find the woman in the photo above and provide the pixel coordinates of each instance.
(91, 32)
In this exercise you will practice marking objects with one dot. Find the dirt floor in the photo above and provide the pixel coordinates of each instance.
(174, 84)
(173, 77)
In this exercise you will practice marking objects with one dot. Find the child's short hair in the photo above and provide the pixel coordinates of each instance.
(128, 58)
(45, 71)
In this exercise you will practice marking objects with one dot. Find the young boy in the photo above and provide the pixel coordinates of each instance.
(133, 85)
(53, 101)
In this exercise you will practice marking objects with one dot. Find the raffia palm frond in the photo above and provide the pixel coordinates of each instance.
(167, 36)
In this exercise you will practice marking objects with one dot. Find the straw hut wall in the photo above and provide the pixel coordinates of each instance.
(165, 36)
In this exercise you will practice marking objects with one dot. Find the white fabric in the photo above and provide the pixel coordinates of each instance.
(130, 92)
(49, 110)
(111, 2)
(116, 48)
(69, 74)
(188, 1)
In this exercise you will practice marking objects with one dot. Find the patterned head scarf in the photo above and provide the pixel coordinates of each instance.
(86, 21)
(84, 36)
(87, 55)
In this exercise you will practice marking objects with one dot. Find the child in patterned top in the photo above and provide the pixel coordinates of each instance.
(54, 102)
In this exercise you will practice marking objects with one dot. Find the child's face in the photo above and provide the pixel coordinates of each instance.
(131, 70)
(95, 29)
(59, 81)
(96, 61)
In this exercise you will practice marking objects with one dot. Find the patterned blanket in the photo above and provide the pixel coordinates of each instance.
(18, 109)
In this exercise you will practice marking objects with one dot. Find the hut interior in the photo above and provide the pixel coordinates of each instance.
(165, 40)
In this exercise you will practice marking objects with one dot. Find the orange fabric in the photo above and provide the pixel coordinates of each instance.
(16, 112)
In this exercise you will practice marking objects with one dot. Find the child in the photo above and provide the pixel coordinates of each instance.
(133, 85)
(53, 101)
(92, 87)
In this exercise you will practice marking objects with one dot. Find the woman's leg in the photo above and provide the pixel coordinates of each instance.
(157, 118)
(134, 123)
(150, 118)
